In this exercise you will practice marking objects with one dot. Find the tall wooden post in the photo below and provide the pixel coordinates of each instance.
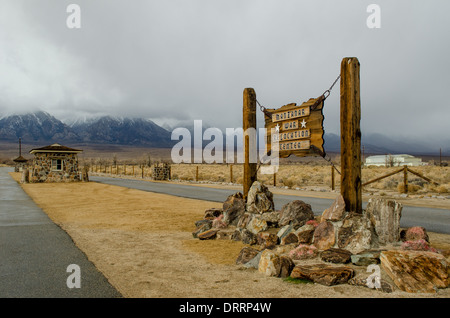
(405, 178)
(249, 121)
(332, 178)
(231, 173)
(351, 135)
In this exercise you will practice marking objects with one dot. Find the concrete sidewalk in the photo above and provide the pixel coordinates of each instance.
(35, 253)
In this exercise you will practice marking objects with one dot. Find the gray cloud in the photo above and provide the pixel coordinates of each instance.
(183, 60)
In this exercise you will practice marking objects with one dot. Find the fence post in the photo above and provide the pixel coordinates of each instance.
(196, 174)
(332, 178)
(231, 173)
(405, 178)
(274, 179)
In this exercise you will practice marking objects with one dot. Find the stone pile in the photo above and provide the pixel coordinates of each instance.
(161, 172)
(362, 249)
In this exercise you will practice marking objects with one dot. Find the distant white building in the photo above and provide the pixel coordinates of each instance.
(393, 161)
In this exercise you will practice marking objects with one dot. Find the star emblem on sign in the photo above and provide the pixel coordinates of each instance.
(303, 123)
(277, 127)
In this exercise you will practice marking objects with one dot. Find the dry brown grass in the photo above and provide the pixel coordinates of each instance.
(303, 176)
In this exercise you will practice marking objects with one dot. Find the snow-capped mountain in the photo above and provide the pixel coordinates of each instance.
(45, 128)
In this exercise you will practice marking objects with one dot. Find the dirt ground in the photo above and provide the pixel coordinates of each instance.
(142, 243)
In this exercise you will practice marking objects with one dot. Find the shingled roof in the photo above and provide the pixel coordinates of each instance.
(55, 148)
(20, 159)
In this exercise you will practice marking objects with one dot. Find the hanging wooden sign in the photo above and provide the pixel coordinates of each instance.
(300, 128)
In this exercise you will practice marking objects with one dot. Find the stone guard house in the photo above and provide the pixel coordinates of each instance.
(20, 164)
(55, 163)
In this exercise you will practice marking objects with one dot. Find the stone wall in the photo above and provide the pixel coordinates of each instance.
(161, 172)
(42, 168)
(20, 166)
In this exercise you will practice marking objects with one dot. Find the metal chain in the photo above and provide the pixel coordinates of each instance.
(331, 87)
(261, 107)
(328, 158)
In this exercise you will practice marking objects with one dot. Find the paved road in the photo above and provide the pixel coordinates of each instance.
(35, 253)
(434, 220)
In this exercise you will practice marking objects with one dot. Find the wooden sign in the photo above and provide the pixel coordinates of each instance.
(299, 127)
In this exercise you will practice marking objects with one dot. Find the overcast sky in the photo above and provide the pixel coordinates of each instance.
(182, 60)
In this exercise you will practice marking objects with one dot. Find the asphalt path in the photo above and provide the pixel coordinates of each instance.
(35, 253)
(434, 220)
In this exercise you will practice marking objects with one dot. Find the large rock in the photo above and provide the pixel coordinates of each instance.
(272, 264)
(303, 251)
(419, 245)
(323, 274)
(218, 222)
(366, 258)
(271, 218)
(291, 238)
(336, 255)
(285, 230)
(362, 280)
(203, 222)
(259, 199)
(254, 262)
(356, 233)
(324, 236)
(257, 224)
(244, 219)
(415, 271)
(269, 263)
(246, 255)
(414, 233)
(244, 235)
(211, 214)
(296, 213)
(208, 235)
(305, 234)
(233, 208)
(385, 216)
(336, 211)
(225, 234)
(202, 226)
(284, 249)
(266, 239)
(286, 266)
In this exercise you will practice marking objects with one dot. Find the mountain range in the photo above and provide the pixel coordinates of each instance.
(41, 127)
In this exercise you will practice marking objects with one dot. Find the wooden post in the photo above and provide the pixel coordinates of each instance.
(405, 178)
(332, 178)
(249, 121)
(142, 171)
(274, 179)
(351, 135)
(231, 173)
(196, 174)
